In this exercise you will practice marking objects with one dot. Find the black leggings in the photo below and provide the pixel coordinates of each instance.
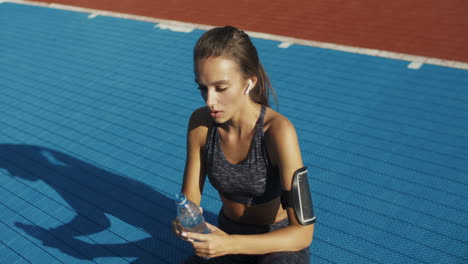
(231, 227)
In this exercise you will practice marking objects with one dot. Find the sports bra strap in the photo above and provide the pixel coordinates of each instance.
(261, 117)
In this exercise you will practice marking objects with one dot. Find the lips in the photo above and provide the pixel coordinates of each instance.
(215, 113)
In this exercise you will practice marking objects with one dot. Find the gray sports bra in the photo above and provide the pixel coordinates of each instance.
(252, 181)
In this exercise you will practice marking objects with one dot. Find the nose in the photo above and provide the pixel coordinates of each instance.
(211, 97)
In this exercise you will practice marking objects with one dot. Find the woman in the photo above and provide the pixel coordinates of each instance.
(250, 154)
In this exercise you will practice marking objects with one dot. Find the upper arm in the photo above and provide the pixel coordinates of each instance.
(283, 148)
(194, 172)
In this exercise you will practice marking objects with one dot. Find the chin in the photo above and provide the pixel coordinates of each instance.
(219, 121)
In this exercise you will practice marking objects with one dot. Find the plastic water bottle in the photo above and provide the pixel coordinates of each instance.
(190, 215)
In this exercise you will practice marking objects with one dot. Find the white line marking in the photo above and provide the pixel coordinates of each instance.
(24, 2)
(311, 43)
(176, 27)
(93, 15)
(285, 45)
(415, 65)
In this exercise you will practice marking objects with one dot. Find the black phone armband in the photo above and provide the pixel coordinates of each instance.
(299, 198)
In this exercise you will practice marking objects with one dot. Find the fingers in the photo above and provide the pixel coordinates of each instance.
(204, 254)
(201, 249)
(205, 245)
(205, 250)
(189, 236)
(177, 228)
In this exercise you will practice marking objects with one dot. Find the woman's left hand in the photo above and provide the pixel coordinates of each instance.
(215, 244)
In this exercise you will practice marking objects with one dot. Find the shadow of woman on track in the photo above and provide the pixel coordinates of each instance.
(93, 193)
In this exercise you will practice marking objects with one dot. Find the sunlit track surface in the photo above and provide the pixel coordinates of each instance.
(92, 144)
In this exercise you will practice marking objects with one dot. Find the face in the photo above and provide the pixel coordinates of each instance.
(222, 86)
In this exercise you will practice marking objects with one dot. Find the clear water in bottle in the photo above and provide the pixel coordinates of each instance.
(190, 215)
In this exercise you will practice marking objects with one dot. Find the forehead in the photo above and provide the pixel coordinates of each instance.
(216, 68)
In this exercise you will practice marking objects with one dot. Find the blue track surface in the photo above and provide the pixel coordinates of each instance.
(93, 118)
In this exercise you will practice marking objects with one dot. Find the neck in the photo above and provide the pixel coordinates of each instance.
(245, 120)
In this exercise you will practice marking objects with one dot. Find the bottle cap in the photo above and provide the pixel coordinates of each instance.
(180, 198)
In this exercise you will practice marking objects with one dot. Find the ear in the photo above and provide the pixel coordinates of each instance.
(252, 82)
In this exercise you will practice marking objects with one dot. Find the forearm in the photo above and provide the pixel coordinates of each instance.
(291, 238)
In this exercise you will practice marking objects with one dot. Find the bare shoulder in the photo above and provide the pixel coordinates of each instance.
(282, 145)
(199, 125)
(277, 126)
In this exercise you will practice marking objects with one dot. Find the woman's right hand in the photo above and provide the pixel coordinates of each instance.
(177, 228)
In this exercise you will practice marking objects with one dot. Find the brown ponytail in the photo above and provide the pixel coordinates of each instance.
(235, 44)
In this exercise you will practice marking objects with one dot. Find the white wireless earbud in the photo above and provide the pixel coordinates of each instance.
(249, 88)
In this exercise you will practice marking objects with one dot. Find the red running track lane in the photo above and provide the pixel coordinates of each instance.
(431, 28)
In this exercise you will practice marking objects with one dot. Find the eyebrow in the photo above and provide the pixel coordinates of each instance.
(220, 82)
